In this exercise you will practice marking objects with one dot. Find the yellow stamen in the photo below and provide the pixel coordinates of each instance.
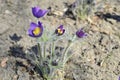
(60, 31)
(37, 31)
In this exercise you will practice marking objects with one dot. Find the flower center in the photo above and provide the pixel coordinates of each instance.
(36, 31)
(59, 31)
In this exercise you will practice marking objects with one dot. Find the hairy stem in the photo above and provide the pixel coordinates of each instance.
(65, 52)
(44, 50)
(39, 52)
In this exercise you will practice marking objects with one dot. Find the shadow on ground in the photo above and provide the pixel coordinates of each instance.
(108, 16)
(18, 52)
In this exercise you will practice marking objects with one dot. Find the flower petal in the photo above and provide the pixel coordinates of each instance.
(80, 33)
(40, 23)
(30, 33)
(41, 27)
(32, 27)
(41, 13)
(35, 10)
(61, 27)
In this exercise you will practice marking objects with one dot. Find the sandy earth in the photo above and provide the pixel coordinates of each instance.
(97, 57)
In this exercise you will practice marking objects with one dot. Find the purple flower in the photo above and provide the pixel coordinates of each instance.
(35, 30)
(60, 30)
(80, 33)
(37, 12)
(119, 78)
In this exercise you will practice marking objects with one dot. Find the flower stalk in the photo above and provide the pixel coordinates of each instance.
(44, 46)
(39, 52)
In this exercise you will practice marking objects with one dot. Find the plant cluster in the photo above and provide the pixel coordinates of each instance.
(83, 9)
(46, 58)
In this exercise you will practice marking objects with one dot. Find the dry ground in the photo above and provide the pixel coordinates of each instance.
(97, 57)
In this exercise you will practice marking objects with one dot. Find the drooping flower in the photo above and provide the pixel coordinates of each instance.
(80, 33)
(37, 12)
(60, 30)
(35, 30)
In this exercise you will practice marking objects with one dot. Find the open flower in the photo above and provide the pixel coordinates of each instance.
(60, 30)
(80, 33)
(35, 30)
(37, 12)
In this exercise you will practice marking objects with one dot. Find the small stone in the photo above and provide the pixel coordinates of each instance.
(3, 62)
(15, 77)
(7, 12)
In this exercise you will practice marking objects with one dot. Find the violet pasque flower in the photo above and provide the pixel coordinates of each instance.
(80, 33)
(35, 30)
(60, 30)
(37, 12)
